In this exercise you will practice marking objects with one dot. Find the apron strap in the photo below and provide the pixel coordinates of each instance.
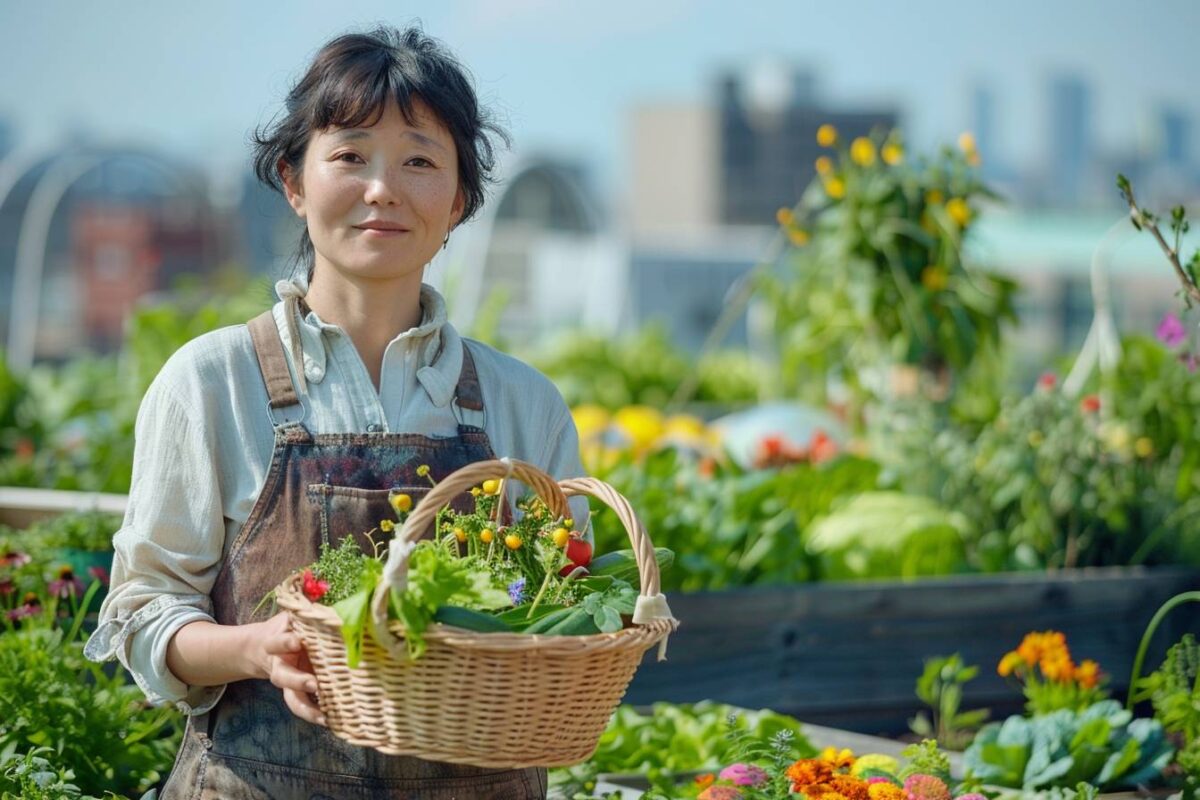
(268, 346)
(467, 393)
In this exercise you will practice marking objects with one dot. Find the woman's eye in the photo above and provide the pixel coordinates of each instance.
(349, 158)
(423, 162)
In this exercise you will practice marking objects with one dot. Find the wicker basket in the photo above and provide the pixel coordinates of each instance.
(485, 699)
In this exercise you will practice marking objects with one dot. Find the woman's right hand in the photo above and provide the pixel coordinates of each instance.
(280, 657)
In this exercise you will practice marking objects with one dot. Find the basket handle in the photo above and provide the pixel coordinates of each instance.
(643, 549)
(395, 571)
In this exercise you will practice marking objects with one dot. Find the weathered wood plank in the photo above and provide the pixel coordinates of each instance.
(20, 507)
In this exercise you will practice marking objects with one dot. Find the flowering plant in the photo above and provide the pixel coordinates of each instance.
(533, 573)
(877, 271)
(1049, 676)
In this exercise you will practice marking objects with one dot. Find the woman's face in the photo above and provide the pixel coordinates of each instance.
(380, 200)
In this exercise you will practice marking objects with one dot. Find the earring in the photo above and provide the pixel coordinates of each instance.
(446, 240)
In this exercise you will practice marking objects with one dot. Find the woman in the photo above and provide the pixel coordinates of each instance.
(258, 442)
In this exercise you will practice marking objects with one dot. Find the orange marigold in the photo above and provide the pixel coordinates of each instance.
(1088, 674)
(1058, 667)
(886, 791)
(706, 780)
(851, 788)
(809, 771)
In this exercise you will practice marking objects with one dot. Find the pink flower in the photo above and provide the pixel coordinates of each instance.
(1047, 381)
(6, 587)
(1170, 331)
(100, 574)
(30, 605)
(971, 796)
(877, 779)
(314, 588)
(744, 775)
(14, 559)
(66, 584)
(1190, 361)
(926, 787)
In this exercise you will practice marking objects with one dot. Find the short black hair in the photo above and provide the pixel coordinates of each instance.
(349, 84)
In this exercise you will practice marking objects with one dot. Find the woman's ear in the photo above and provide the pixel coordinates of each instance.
(456, 210)
(293, 187)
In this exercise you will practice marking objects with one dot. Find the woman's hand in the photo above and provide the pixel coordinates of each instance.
(281, 658)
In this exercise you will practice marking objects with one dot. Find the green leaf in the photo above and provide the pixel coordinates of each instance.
(354, 611)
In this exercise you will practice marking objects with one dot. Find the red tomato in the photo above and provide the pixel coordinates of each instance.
(580, 554)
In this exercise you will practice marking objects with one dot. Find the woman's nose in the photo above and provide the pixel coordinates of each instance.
(383, 188)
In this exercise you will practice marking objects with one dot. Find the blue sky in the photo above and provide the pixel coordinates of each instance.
(194, 79)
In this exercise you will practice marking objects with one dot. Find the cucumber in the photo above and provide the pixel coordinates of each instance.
(471, 620)
(517, 618)
(621, 564)
(577, 623)
(547, 622)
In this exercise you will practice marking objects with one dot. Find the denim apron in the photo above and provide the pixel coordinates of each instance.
(318, 489)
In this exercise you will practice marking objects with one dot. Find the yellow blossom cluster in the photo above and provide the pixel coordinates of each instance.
(604, 436)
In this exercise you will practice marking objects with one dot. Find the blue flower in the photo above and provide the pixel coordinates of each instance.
(516, 591)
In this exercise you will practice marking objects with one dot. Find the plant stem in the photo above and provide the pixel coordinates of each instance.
(1179, 599)
(538, 599)
(1189, 286)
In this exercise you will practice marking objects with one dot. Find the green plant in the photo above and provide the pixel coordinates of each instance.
(673, 740)
(79, 530)
(940, 687)
(1102, 745)
(98, 726)
(32, 776)
(877, 274)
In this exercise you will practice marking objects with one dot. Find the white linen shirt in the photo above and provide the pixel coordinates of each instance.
(204, 440)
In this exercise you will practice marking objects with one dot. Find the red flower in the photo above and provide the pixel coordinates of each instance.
(1048, 381)
(821, 448)
(314, 588)
(100, 574)
(1090, 404)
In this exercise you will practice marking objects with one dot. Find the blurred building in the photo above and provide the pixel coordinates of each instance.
(84, 233)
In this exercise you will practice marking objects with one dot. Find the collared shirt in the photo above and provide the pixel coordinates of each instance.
(204, 439)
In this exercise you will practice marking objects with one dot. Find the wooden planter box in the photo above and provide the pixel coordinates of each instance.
(848, 655)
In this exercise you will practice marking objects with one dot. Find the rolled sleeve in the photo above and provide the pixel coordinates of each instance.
(168, 550)
(561, 460)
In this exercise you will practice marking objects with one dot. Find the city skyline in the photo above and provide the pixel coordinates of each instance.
(564, 77)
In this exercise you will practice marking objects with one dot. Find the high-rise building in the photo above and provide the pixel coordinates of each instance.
(1070, 138)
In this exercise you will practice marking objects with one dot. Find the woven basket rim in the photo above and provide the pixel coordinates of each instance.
(289, 597)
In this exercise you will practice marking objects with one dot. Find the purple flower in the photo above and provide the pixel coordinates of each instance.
(1171, 331)
(66, 584)
(744, 775)
(516, 591)
(14, 559)
(1190, 361)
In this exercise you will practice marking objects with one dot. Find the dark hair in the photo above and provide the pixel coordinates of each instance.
(349, 83)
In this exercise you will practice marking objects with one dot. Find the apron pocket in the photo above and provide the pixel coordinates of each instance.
(343, 511)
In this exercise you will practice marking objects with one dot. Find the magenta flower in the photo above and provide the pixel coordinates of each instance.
(1190, 361)
(30, 605)
(926, 787)
(971, 796)
(100, 574)
(6, 587)
(744, 775)
(1171, 331)
(14, 559)
(877, 779)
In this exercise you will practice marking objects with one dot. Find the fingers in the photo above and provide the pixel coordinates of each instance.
(282, 644)
(286, 675)
(302, 705)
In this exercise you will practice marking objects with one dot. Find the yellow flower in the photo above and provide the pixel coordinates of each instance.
(784, 216)
(568, 522)
(959, 211)
(491, 487)
(513, 542)
(486, 535)
(886, 791)
(475, 492)
(933, 197)
(1143, 447)
(835, 188)
(1036, 438)
(560, 537)
(839, 759)
(590, 420)
(642, 424)
(401, 503)
(892, 153)
(827, 135)
(934, 278)
(966, 142)
(423, 471)
(824, 165)
(797, 236)
(862, 151)
(386, 525)
(460, 534)
(1009, 663)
